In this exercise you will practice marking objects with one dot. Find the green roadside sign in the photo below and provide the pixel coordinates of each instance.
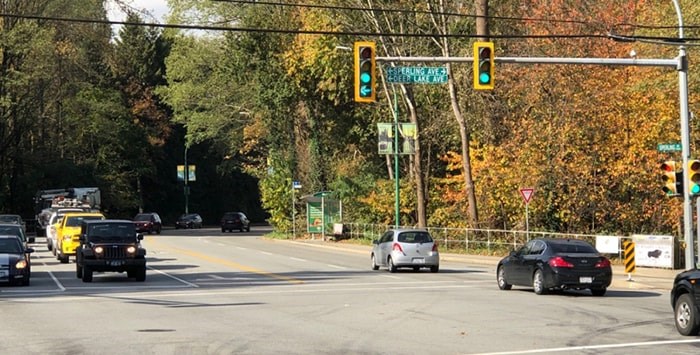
(416, 75)
(669, 147)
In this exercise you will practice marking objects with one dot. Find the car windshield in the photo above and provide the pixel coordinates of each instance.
(74, 221)
(12, 230)
(415, 237)
(117, 232)
(573, 248)
(142, 217)
(10, 246)
(9, 219)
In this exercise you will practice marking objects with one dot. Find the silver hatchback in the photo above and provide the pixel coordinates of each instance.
(407, 248)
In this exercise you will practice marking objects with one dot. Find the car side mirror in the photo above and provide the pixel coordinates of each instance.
(513, 252)
(28, 250)
(376, 241)
(139, 237)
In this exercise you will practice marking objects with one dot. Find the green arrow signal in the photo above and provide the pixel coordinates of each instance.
(365, 90)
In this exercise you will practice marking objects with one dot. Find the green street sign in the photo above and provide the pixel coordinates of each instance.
(669, 147)
(416, 75)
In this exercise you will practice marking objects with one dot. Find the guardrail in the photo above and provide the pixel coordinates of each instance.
(466, 240)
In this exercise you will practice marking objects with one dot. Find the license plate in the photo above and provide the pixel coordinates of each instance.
(116, 263)
(585, 280)
(418, 261)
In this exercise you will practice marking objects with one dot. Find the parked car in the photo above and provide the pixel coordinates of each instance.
(685, 302)
(52, 226)
(399, 248)
(234, 220)
(16, 230)
(15, 263)
(188, 221)
(14, 218)
(547, 264)
(148, 223)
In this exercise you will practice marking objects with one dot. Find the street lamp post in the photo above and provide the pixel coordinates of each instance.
(185, 180)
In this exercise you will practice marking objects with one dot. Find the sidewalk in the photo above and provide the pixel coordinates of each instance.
(644, 278)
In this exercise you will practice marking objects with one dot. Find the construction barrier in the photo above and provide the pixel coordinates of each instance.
(628, 256)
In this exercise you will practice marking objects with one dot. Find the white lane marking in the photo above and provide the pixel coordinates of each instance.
(266, 253)
(337, 267)
(241, 248)
(596, 347)
(298, 259)
(55, 279)
(173, 277)
(286, 289)
(391, 277)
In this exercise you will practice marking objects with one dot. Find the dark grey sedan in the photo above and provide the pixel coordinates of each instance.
(548, 264)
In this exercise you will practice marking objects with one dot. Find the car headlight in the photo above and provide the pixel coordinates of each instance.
(21, 264)
(99, 250)
(131, 249)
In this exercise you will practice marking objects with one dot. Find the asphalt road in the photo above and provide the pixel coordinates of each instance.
(237, 293)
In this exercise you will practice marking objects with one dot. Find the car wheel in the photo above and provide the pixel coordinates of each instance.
(392, 267)
(435, 268)
(223, 230)
(241, 229)
(141, 274)
(598, 291)
(53, 251)
(538, 282)
(416, 268)
(48, 245)
(25, 281)
(78, 271)
(501, 278)
(158, 231)
(63, 258)
(687, 319)
(247, 229)
(87, 274)
(374, 263)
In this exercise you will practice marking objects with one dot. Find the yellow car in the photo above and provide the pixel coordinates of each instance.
(68, 233)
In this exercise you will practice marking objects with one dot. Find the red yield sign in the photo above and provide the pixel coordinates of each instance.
(526, 193)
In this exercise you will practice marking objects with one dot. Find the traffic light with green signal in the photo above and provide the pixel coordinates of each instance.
(365, 72)
(693, 177)
(483, 65)
(671, 178)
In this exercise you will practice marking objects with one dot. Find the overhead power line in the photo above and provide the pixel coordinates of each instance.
(336, 33)
(456, 14)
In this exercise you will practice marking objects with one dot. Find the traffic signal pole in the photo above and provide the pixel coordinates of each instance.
(680, 63)
(685, 143)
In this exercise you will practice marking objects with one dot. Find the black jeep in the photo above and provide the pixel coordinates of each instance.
(110, 245)
(685, 299)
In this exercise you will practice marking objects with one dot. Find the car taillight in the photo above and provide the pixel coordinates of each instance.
(435, 248)
(558, 261)
(603, 263)
(397, 247)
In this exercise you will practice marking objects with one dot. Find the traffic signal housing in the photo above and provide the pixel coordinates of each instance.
(483, 65)
(693, 177)
(671, 178)
(365, 72)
